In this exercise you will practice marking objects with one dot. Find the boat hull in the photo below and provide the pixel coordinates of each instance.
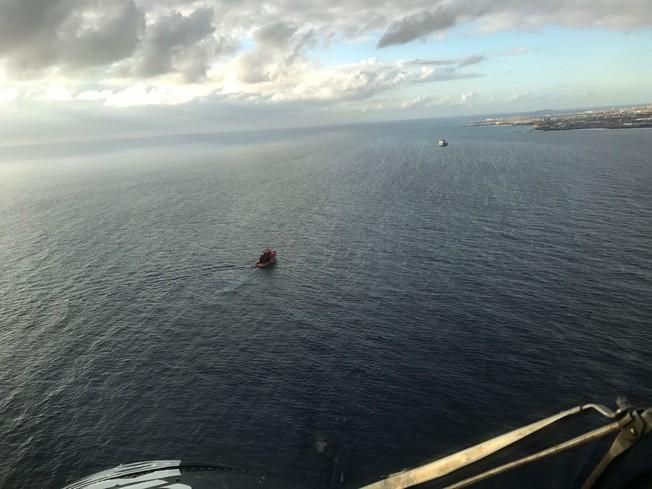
(266, 264)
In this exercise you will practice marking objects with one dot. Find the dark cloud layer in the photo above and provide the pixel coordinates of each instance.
(171, 37)
(275, 35)
(36, 34)
(415, 26)
(437, 16)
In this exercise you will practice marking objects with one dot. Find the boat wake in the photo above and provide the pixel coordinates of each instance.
(240, 276)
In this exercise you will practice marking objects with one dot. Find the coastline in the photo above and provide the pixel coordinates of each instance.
(629, 118)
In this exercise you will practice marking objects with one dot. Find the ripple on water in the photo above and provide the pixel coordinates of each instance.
(508, 274)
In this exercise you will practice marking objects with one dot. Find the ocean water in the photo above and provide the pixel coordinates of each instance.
(425, 298)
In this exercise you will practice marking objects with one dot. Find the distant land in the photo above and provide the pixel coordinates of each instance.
(618, 118)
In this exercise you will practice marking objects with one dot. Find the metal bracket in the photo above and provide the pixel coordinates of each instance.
(634, 425)
(627, 423)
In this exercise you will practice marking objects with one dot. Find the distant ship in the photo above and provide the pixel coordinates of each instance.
(442, 143)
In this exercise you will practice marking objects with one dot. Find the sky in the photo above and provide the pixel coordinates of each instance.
(83, 69)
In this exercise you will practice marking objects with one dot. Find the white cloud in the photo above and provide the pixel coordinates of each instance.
(144, 94)
(468, 97)
(8, 95)
(428, 75)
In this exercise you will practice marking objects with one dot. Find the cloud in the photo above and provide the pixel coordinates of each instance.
(459, 62)
(472, 60)
(418, 25)
(268, 73)
(278, 47)
(418, 102)
(183, 43)
(468, 97)
(421, 102)
(104, 35)
(444, 75)
(7, 96)
(436, 70)
(37, 34)
(496, 15)
(275, 36)
(434, 62)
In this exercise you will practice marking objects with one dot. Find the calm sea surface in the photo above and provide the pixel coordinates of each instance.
(425, 298)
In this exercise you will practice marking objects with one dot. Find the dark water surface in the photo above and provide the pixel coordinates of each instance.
(425, 298)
